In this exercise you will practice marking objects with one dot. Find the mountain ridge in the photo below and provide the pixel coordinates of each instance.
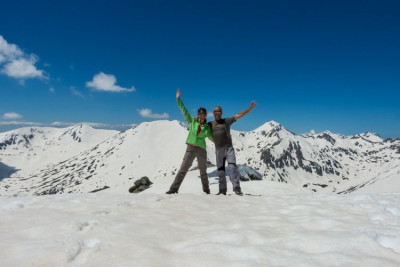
(316, 162)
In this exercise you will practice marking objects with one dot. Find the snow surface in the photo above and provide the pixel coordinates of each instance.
(275, 224)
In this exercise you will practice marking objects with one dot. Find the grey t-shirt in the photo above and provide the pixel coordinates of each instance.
(222, 132)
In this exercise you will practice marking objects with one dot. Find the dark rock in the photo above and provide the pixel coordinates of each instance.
(327, 137)
(140, 185)
(321, 185)
(100, 189)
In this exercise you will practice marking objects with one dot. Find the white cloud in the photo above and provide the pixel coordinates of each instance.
(62, 124)
(22, 69)
(20, 123)
(11, 116)
(16, 63)
(17, 124)
(147, 113)
(76, 92)
(93, 124)
(106, 82)
(8, 52)
(51, 90)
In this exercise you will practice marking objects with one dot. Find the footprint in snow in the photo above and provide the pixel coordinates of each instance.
(78, 250)
(82, 225)
(101, 212)
(127, 203)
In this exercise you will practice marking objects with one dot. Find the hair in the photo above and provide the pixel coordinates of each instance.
(218, 107)
(202, 110)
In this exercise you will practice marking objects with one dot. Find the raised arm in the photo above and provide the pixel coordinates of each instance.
(186, 114)
(244, 112)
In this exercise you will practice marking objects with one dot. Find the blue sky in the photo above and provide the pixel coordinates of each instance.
(322, 65)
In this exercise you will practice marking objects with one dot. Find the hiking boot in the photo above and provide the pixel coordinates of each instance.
(207, 191)
(238, 192)
(169, 192)
(221, 193)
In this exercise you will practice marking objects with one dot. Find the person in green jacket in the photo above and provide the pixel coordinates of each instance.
(196, 146)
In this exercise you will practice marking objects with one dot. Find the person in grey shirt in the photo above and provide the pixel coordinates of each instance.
(224, 148)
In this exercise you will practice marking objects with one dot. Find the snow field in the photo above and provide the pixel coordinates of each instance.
(275, 225)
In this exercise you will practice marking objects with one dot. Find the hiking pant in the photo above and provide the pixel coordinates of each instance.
(227, 154)
(192, 152)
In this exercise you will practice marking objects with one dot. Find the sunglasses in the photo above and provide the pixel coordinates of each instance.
(201, 114)
(217, 111)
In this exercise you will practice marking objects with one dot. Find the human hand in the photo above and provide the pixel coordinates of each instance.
(178, 93)
(253, 104)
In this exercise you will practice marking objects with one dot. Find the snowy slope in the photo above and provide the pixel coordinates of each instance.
(388, 181)
(151, 149)
(315, 162)
(28, 149)
(277, 225)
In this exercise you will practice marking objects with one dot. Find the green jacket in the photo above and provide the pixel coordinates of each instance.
(193, 139)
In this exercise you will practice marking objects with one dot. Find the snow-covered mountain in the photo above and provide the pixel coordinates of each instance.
(28, 149)
(316, 162)
(323, 162)
(152, 149)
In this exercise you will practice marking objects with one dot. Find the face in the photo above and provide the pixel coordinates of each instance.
(202, 115)
(217, 113)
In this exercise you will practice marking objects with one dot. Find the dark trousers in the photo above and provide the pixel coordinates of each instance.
(227, 154)
(192, 152)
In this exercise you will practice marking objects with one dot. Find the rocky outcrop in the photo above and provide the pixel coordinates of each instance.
(140, 185)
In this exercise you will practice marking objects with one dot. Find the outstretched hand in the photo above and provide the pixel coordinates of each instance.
(178, 93)
(244, 112)
(253, 104)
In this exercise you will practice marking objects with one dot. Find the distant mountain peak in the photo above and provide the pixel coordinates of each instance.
(159, 123)
(77, 132)
(273, 123)
(371, 137)
(268, 126)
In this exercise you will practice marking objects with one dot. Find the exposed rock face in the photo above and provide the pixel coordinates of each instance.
(245, 172)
